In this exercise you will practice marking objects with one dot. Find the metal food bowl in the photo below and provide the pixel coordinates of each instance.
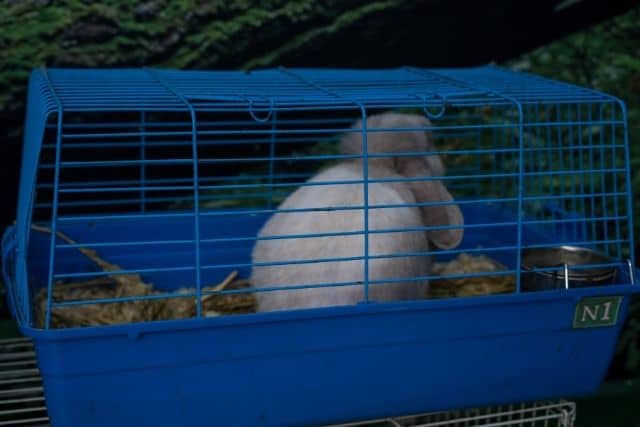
(563, 258)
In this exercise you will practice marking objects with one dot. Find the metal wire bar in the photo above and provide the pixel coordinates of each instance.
(22, 401)
(54, 208)
(196, 184)
(560, 414)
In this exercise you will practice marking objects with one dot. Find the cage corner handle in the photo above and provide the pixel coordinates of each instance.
(438, 114)
(264, 119)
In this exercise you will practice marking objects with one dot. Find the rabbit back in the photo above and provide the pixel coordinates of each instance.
(344, 246)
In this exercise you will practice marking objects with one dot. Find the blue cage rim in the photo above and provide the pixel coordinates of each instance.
(369, 309)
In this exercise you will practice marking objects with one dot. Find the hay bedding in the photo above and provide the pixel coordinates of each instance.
(470, 286)
(173, 307)
(132, 285)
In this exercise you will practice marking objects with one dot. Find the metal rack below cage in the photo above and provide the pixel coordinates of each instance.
(22, 400)
(538, 414)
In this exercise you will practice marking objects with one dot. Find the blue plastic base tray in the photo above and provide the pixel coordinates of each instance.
(311, 367)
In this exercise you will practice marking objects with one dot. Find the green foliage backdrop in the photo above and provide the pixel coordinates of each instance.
(605, 57)
(178, 34)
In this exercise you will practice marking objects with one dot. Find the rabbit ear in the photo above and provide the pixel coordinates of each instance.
(443, 215)
(446, 213)
(435, 165)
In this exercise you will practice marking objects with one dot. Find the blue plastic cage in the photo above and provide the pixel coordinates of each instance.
(172, 175)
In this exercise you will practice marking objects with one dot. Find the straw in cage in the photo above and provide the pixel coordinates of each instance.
(158, 305)
(125, 286)
(476, 280)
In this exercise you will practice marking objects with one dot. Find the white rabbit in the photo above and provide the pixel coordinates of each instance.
(332, 221)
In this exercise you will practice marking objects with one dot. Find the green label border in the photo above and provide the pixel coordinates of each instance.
(601, 316)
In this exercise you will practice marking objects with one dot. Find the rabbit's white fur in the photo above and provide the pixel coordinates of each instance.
(333, 221)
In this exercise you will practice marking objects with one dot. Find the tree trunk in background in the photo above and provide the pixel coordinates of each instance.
(244, 34)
